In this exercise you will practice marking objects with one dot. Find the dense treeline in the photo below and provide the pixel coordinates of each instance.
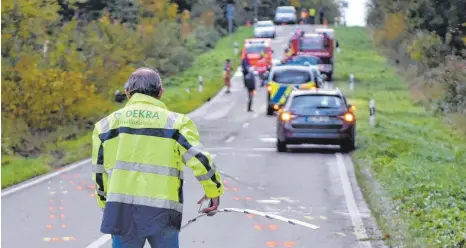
(63, 60)
(427, 37)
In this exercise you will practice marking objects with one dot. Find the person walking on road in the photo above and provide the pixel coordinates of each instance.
(227, 75)
(250, 84)
(138, 155)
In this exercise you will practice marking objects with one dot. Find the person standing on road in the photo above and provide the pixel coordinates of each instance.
(138, 155)
(245, 66)
(321, 15)
(312, 16)
(227, 75)
(250, 84)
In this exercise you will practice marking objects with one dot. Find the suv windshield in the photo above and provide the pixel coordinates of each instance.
(302, 104)
(311, 43)
(256, 49)
(285, 10)
(311, 59)
(291, 77)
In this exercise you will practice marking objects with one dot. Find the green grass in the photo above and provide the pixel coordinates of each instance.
(417, 160)
(209, 65)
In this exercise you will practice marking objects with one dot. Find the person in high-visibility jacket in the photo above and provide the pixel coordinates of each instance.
(312, 16)
(138, 155)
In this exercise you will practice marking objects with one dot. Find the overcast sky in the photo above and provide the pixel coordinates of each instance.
(356, 13)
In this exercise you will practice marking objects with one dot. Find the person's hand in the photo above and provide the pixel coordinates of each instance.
(213, 205)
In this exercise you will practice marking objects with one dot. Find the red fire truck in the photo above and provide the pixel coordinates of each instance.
(315, 44)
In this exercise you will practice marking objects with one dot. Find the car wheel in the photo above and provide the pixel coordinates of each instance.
(348, 145)
(269, 110)
(281, 146)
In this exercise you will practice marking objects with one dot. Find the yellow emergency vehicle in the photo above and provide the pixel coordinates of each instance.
(283, 80)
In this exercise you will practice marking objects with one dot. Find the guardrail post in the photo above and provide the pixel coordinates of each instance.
(200, 88)
(372, 112)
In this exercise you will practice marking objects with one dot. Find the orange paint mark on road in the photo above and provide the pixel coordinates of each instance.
(273, 227)
(271, 244)
(91, 195)
(52, 216)
(49, 226)
(258, 227)
(235, 189)
(62, 216)
(236, 198)
(248, 198)
(79, 187)
(250, 216)
(62, 201)
(225, 182)
(289, 244)
(51, 201)
(71, 182)
(51, 208)
(61, 208)
(75, 175)
(63, 226)
(55, 239)
(92, 186)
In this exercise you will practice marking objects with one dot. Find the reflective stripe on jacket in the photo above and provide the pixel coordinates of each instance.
(138, 157)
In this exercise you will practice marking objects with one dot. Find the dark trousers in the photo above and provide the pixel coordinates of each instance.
(312, 19)
(321, 19)
(250, 96)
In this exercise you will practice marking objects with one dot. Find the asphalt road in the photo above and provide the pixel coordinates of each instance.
(314, 185)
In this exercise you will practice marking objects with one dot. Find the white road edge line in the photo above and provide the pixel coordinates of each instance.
(101, 241)
(356, 219)
(229, 140)
(43, 178)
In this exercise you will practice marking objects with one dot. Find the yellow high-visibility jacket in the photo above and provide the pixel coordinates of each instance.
(138, 157)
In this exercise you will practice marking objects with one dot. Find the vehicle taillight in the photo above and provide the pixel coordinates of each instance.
(285, 116)
(348, 117)
(269, 88)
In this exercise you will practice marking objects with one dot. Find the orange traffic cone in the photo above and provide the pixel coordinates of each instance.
(325, 22)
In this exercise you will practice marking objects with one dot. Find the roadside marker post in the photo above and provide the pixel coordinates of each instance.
(351, 81)
(236, 50)
(200, 88)
(372, 112)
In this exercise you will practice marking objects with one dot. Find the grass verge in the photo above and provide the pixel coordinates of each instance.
(208, 65)
(411, 165)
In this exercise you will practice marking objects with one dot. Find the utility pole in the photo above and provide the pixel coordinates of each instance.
(230, 14)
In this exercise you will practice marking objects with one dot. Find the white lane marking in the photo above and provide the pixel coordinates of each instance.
(268, 140)
(43, 178)
(268, 201)
(356, 219)
(229, 140)
(100, 242)
(245, 125)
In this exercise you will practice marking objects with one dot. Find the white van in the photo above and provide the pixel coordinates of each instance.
(285, 14)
